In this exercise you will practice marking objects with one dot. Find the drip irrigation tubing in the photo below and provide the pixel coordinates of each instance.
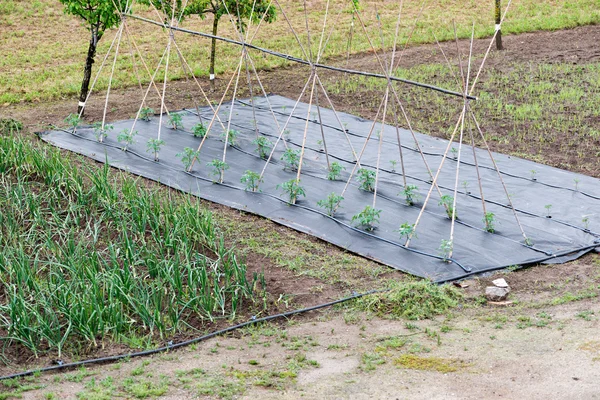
(301, 61)
(174, 346)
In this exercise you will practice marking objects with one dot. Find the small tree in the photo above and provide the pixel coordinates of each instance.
(98, 16)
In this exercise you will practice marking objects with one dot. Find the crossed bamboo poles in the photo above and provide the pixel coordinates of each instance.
(316, 86)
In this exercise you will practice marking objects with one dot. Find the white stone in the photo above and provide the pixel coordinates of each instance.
(500, 282)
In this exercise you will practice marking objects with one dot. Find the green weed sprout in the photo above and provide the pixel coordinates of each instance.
(465, 185)
(367, 218)
(100, 132)
(454, 152)
(286, 135)
(320, 144)
(263, 145)
(153, 146)
(231, 137)
(218, 169)
(126, 137)
(366, 178)
(533, 172)
(188, 155)
(251, 179)
(410, 194)
(406, 230)
(576, 181)
(548, 207)
(291, 158)
(293, 189)
(489, 219)
(445, 248)
(146, 114)
(586, 223)
(335, 170)
(331, 203)
(447, 201)
(199, 130)
(73, 120)
(393, 163)
(175, 121)
(528, 242)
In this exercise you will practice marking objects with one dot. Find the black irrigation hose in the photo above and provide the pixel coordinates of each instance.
(301, 61)
(168, 347)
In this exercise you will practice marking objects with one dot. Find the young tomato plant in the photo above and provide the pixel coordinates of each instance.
(175, 121)
(291, 158)
(231, 137)
(447, 201)
(410, 194)
(489, 219)
(218, 169)
(367, 218)
(293, 190)
(251, 179)
(73, 120)
(146, 114)
(199, 130)
(446, 249)
(366, 178)
(406, 230)
(100, 132)
(335, 171)
(153, 146)
(127, 138)
(331, 203)
(263, 146)
(188, 155)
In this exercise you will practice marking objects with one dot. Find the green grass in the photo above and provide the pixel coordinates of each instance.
(43, 49)
(411, 299)
(90, 255)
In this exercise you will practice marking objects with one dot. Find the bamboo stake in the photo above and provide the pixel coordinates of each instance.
(112, 72)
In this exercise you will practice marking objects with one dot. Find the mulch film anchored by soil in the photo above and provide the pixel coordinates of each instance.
(558, 210)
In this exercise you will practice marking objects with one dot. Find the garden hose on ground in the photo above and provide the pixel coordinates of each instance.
(173, 346)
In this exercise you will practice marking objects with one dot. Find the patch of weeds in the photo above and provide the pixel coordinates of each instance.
(103, 390)
(337, 347)
(391, 343)
(417, 347)
(17, 386)
(443, 365)
(412, 300)
(79, 376)
(523, 321)
(585, 315)
(593, 347)
(221, 387)
(143, 388)
(370, 361)
(137, 371)
(8, 126)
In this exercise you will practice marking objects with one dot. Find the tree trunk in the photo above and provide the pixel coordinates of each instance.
(499, 33)
(213, 49)
(87, 72)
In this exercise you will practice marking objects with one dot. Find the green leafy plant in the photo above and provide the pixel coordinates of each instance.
(126, 137)
(146, 114)
(445, 248)
(489, 219)
(448, 202)
(153, 146)
(410, 194)
(548, 208)
(99, 132)
(218, 168)
(263, 146)
(188, 155)
(533, 172)
(231, 137)
(406, 230)
(286, 135)
(367, 218)
(586, 223)
(293, 189)
(251, 179)
(331, 203)
(366, 178)
(175, 121)
(320, 144)
(199, 130)
(73, 120)
(576, 181)
(465, 185)
(528, 242)
(454, 152)
(291, 158)
(335, 170)
(393, 163)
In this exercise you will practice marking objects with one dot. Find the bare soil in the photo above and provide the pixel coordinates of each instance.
(539, 346)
